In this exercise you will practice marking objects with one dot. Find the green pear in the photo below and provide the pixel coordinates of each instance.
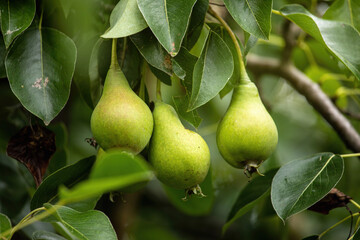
(121, 119)
(180, 157)
(247, 135)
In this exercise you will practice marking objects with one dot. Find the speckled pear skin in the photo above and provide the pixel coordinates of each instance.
(247, 135)
(121, 119)
(180, 157)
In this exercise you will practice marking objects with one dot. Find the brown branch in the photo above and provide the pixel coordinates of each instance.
(355, 116)
(312, 92)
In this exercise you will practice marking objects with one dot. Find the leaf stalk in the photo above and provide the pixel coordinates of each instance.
(244, 77)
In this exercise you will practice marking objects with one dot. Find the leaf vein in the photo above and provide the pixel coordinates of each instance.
(309, 185)
(257, 23)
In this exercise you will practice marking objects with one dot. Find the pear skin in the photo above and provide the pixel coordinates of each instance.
(121, 119)
(247, 135)
(180, 157)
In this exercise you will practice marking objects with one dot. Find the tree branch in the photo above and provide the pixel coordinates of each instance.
(312, 92)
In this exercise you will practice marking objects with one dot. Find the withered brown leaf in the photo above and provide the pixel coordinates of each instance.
(33, 146)
(333, 199)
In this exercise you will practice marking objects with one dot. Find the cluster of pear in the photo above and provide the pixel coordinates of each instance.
(246, 135)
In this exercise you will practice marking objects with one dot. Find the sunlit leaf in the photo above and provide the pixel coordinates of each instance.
(116, 170)
(125, 20)
(115, 163)
(338, 37)
(345, 11)
(89, 225)
(5, 224)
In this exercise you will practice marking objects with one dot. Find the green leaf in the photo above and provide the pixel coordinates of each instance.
(125, 20)
(196, 23)
(199, 45)
(115, 170)
(212, 71)
(249, 42)
(67, 176)
(345, 11)
(152, 51)
(253, 16)
(229, 42)
(338, 37)
(256, 190)
(163, 77)
(180, 104)
(168, 20)
(96, 187)
(5, 224)
(100, 49)
(183, 66)
(301, 183)
(115, 163)
(2, 58)
(43, 235)
(89, 225)
(193, 206)
(16, 17)
(131, 64)
(40, 66)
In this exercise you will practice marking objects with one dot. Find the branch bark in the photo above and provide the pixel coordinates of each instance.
(312, 92)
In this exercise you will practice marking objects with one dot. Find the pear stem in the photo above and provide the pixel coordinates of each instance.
(158, 90)
(123, 52)
(142, 81)
(350, 155)
(114, 61)
(244, 77)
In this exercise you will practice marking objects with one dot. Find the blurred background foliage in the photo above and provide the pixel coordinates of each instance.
(149, 214)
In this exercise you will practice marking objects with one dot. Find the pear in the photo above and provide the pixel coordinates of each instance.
(247, 135)
(121, 119)
(180, 157)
